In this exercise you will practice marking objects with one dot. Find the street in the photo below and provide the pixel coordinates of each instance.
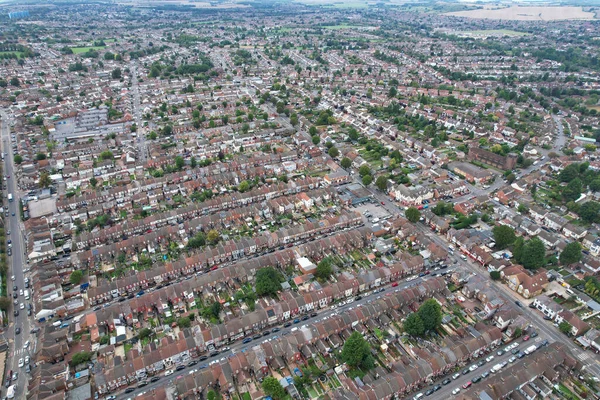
(141, 131)
(16, 263)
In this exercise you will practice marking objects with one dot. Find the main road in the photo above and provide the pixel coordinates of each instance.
(16, 264)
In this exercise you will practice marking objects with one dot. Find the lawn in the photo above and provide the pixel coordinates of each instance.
(18, 53)
(79, 50)
(246, 396)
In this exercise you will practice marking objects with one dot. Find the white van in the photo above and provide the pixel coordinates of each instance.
(26, 294)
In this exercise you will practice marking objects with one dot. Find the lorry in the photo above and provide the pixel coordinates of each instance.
(10, 197)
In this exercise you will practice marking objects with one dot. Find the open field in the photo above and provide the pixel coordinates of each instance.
(79, 50)
(527, 13)
(18, 53)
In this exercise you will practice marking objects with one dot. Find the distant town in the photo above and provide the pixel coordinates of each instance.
(246, 200)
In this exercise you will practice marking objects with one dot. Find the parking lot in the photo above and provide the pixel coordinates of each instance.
(371, 211)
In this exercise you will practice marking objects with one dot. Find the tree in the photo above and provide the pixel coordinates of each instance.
(116, 73)
(93, 181)
(367, 179)
(564, 327)
(144, 333)
(267, 281)
(273, 388)
(364, 170)
(357, 352)
(193, 162)
(184, 322)
(590, 212)
(316, 140)
(76, 277)
(213, 236)
(534, 254)
(412, 214)
(324, 269)
(15, 81)
(504, 236)
(244, 186)
(413, 325)
(80, 358)
(179, 162)
(571, 254)
(431, 314)
(45, 180)
(346, 162)
(573, 190)
(18, 159)
(569, 173)
(594, 185)
(312, 130)
(5, 303)
(495, 275)
(518, 249)
(40, 156)
(333, 152)
(381, 182)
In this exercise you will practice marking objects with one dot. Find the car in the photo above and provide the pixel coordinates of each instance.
(15, 295)
(257, 336)
(111, 397)
(517, 302)
(429, 392)
(129, 390)
(473, 367)
(287, 324)
(275, 330)
(395, 284)
(512, 359)
(15, 288)
(192, 363)
(21, 363)
(13, 214)
(547, 318)
(12, 278)
(312, 315)
(17, 330)
(476, 379)
(155, 379)
(545, 343)
(520, 355)
(27, 360)
(383, 203)
(15, 376)
(455, 376)
(26, 344)
(455, 391)
(34, 330)
(481, 363)
(203, 358)
(465, 371)
(500, 352)
(16, 313)
(247, 340)
(485, 374)
(446, 382)
(305, 318)
(168, 372)
(214, 353)
(180, 367)
(526, 338)
(297, 321)
(477, 309)
(489, 359)
(515, 351)
(467, 385)
(21, 306)
(534, 334)
(266, 333)
(436, 388)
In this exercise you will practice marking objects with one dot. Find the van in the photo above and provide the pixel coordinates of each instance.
(26, 294)
(57, 324)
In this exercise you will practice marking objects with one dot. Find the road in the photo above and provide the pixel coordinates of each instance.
(239, 346)
(16, 263)
(137, 113)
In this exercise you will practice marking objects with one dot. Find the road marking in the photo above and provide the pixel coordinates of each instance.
(538, 339)
(583, 356)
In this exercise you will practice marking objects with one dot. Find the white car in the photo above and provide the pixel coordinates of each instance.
(21, 292)
(168, 372)
(512, 359)
(21, 363)
(22, 306)
(473, 367)
(26, 345)
(490, 358)
(26, 360)
(12, 278)
(455, 391)
(455, 376)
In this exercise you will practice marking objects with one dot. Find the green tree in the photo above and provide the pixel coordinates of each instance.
(116, 73)
(367, 180)
(504, 236)
(267, 281)
(184, 322)
(213, 236)
(573, 190)
(312, 130)
(495, 275)
(569, 173)
(333, 152)
(324, 269)
(594, 185)
(273, 388)
(316, 140)
(76, 277)
(346, 163)
(5, 303)
(93, 181)
(244, 186)
(534, 254)
(431, 314)
(590, 212)
(518, 249)
(104, 340)
(571, 254)
(412, 214)
(564, 327)
(80, 358)
(44, 180)
(381, 182)
(357, 352)
(144, 333)
(193, 162)
(364, 170)
(179, 162)
(18, 159)
(413, 325)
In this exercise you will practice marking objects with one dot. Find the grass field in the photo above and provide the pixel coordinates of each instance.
(79, 50)
(343, 26)
(516, 13)
(18, 53)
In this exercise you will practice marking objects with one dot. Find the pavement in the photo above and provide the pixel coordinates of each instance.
(16, 265)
